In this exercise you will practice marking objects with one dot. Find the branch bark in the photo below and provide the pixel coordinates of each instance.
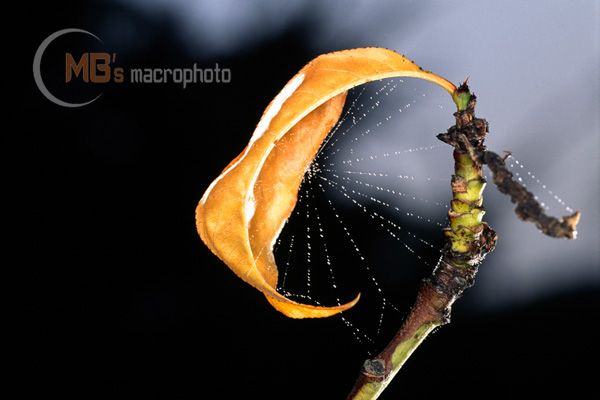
(468, 241)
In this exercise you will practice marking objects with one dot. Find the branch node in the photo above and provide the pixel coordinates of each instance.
(374, 369)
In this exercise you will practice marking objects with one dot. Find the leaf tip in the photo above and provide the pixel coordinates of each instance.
(292, 309)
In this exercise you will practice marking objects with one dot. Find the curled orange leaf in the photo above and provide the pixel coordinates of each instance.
(244, 209)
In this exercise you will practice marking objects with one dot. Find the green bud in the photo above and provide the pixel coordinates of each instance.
(461, 96)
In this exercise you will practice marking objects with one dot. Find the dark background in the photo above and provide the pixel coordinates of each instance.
(120, 297)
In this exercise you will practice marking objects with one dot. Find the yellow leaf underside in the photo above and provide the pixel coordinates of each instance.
(243, 211)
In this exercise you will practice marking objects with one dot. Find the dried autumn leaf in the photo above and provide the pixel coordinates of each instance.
(244, 209)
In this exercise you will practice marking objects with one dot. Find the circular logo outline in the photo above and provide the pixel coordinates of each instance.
(37, 62)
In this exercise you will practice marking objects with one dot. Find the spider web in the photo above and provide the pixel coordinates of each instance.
(371, 207)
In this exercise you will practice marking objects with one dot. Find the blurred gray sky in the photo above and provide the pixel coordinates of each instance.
(535, 67)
